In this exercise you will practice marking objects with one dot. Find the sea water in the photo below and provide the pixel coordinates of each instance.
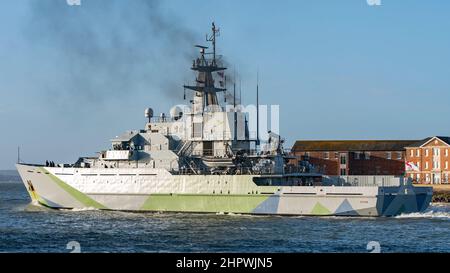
(27, 228)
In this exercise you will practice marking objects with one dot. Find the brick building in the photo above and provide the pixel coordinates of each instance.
(427, 161)
(353, 157)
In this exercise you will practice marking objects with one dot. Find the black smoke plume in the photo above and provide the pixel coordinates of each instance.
(107, 49)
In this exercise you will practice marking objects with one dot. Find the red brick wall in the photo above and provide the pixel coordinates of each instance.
(328, 166)
(377, 164)
(423, 158)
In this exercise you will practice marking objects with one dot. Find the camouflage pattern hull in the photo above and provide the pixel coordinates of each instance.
(134, 189)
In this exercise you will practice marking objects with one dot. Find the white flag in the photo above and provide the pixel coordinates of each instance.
(410, 166)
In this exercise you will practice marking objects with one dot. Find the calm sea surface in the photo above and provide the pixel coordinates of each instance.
(26, 228)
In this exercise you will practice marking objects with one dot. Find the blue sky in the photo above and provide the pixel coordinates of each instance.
(71, 78)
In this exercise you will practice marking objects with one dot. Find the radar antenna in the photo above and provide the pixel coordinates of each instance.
(205, 87)
(212, 38)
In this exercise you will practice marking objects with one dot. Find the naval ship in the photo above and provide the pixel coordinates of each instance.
(202, 158)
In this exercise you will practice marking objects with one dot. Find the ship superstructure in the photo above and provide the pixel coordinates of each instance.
(203, 137)
(202, 157)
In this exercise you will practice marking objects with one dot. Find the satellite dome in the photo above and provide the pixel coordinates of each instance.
(149, 113)
(176, 112)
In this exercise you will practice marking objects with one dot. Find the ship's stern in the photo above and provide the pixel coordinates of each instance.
(394, 201)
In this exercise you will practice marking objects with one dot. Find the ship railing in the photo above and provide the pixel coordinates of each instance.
(194, 170)
(163, 119)
(226, 135)
(209, 152)
(208, 62)
(289, 169)
(366, 180)
(221, 152)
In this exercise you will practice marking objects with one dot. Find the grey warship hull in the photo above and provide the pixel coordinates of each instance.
(159, 191)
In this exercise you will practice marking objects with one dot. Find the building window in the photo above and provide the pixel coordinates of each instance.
(307, 156)
(418, 177)
(336, 155)
(427, 177)
(357, 155)
(436, 151)
(412, 153)
(446, 152)
(389, 155)
(446, 165)
(399, 155)
(426, 152)
(446, 178)
(326, 155)
(426, 165)
(435, 165)
(343, 160)
(418, 152)
(367, 155)
(436, 179)
(418, 164)
(343, 172)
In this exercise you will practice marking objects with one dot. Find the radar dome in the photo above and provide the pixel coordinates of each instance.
(176, 112)
(149, 113)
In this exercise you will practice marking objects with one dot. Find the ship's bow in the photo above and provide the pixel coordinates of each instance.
(44, 189)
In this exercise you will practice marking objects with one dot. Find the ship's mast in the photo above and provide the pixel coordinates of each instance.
(257, 111)
(205, 87)
(212, 39)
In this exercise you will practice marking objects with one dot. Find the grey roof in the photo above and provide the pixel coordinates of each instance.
(425, 140)
(127, 136)
(352, 145)
(445, 139)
